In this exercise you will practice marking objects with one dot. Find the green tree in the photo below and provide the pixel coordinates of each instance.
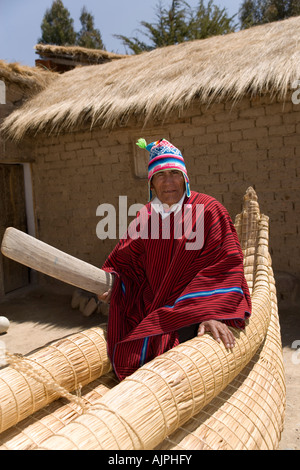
(209, 21)
(178, 23)
(88, 36)
(170, 28)
(255, 12)
(57, 26)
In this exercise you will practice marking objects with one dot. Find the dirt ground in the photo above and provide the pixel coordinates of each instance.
(40, 314)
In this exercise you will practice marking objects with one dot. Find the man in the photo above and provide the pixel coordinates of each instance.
(166, 289)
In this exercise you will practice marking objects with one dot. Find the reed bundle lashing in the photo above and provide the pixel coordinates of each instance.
(29, 383)
(32, 431)
(249, 413)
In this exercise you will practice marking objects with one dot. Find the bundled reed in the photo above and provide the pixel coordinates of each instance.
(30, 383)
(32, 431)
(246, 225)
(249, 413)
(174, 387)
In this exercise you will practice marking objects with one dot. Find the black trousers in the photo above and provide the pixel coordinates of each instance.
(188, 332)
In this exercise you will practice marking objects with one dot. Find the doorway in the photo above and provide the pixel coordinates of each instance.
(12, 214)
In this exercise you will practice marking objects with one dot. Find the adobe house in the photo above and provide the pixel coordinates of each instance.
(228, 102)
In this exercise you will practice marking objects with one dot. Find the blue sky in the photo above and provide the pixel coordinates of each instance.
(20, 22)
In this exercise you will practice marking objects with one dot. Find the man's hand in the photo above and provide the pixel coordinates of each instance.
(219, 330)
(105, 297)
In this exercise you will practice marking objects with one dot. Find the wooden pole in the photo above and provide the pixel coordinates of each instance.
(40, 256)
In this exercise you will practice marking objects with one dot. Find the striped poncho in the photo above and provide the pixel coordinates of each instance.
(161, 285)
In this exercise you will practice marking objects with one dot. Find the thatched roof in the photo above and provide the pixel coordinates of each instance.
(31, 79)
(76, 54)
(258, 60)
(64, 58)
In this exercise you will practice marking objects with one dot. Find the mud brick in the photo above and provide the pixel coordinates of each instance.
(242, 124)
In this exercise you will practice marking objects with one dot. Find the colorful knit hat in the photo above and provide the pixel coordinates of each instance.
(164, 156)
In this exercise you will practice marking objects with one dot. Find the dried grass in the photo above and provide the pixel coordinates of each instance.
(77, 53)
(262, 59)
(32, 79)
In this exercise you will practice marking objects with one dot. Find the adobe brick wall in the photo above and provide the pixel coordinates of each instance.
(9, 151)
(227, 148)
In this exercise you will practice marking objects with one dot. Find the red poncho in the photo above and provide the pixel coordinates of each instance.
(161, 286)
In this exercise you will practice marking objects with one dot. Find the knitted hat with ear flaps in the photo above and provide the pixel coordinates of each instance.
(164, 156)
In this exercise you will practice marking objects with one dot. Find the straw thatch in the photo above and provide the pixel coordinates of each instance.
(30, 383)
(77, 54)
(173, 388)
(151, 85)
(31, 79)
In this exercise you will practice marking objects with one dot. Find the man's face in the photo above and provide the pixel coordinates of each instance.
(169, 186)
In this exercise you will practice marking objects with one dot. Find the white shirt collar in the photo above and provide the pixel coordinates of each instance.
(159, 207)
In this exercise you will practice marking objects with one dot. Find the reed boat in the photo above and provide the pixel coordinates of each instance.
(197, 396)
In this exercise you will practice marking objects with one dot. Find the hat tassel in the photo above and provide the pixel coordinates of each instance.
(141, 143)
